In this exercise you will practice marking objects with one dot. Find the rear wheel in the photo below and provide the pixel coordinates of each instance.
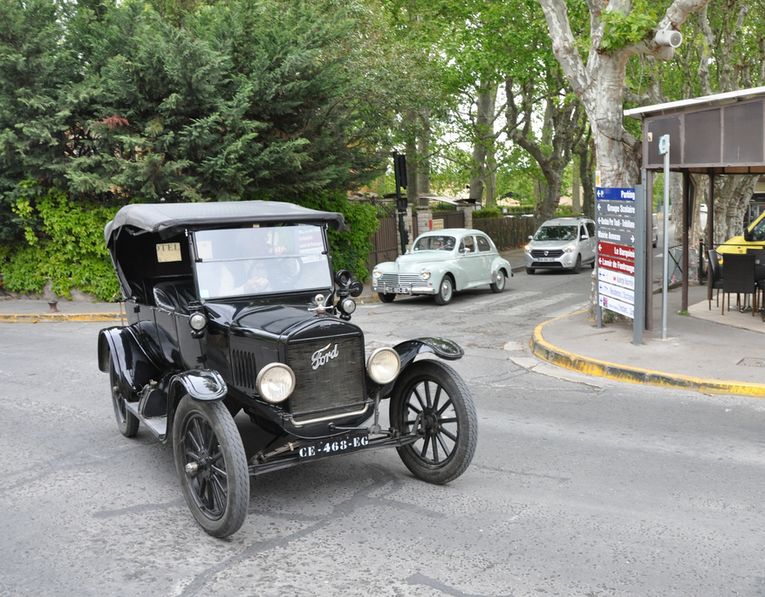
(432, 400)
(386, 297)
(127, 422)
(212, 466)
(498, 285)
(445, 290)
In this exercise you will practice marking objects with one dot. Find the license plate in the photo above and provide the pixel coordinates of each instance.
(544, 258)
(402, 290)
(340, 444)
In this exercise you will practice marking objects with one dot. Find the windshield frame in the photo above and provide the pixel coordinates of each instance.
(319, 261)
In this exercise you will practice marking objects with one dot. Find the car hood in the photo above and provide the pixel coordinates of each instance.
(412, 261)
(278, 321)
(549, 244)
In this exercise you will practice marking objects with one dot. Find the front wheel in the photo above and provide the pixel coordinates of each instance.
(431, 400)
(212, 465)
(386, 297)
(127, 422)
(498, 285)
(445, 290)
(578, 265)
(530, 271)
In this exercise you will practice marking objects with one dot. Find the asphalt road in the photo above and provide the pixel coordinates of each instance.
(578, 486)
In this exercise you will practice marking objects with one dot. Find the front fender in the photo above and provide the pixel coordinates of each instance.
(201, 384)
(408, 350)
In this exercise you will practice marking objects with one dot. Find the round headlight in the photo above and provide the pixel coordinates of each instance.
(383, 365)
(197, 321)
(275, 382)
(348, 306)
(376, 274)
(425, 275)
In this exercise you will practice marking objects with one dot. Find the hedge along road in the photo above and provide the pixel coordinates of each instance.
(578, 485)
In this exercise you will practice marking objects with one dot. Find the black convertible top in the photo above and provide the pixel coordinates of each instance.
(157, 217)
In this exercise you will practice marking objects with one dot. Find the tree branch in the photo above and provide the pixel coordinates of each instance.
(564, 44)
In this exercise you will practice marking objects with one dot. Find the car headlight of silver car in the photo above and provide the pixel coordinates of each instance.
(383, 365)
(425, 275)
(275, 382)
(376, 274)
(527, 248)
(569, 248)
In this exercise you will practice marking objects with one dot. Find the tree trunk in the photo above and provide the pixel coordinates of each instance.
(550, 196)
(483, 144)
(423, 153)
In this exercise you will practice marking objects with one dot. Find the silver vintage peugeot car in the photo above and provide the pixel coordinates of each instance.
(441, 262)
(562, 243)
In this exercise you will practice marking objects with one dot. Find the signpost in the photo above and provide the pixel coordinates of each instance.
(621, 238)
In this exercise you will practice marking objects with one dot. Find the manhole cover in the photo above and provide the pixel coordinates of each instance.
(750, 362)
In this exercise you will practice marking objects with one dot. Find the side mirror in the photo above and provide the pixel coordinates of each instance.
(531, 238)
(583, 237)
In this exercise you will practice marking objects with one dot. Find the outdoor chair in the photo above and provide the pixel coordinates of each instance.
(738, 277)
(714, 277)
(759, 278)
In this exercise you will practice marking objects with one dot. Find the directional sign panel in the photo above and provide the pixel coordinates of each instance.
(615, 213)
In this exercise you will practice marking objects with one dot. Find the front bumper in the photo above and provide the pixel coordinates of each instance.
(565, 261)
(395, 285)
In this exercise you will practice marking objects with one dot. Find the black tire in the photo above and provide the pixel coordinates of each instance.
(386, 297)
(445, 290)
(212, 466)
(530, 271)
(127, 422)
(578, 265)
(450, 425)
(500, 280)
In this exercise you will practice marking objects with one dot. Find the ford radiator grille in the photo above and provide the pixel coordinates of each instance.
(330, 374)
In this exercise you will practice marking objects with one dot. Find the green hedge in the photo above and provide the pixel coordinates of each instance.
(63, 243)
(488, 212)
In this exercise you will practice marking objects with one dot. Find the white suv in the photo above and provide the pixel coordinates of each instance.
(562, 243)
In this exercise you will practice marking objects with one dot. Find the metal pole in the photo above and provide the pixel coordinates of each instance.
(665, 282)
(638, 321)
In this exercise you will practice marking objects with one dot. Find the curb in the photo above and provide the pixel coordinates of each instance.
(58, 317)
(546, 351)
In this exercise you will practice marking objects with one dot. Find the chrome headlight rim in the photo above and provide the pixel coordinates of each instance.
(376, 274)
(425, 275)
(259, 382)
(197, 321)
(348, 305)
(371, 365)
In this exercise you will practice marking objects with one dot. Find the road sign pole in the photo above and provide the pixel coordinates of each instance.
(638, 322)
(664, 148)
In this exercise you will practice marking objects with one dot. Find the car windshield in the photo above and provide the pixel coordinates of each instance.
(556, 233)
(434, 243)
(247, 261)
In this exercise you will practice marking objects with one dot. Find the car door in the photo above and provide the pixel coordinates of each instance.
(590, 227)
(469, 261)
(486, 256)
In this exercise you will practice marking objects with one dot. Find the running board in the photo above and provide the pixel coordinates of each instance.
(156, 425)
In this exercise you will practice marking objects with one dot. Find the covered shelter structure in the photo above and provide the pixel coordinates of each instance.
(718, 134)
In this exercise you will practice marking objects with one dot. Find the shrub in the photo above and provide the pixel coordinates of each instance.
(488, 212)
(63, 243)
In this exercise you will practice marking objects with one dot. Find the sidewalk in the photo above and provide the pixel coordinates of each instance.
(704, 351)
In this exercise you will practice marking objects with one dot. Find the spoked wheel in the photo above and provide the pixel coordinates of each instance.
(431, 399)
(212, 465)
(127, 422)
(498, 284)
(445, 290)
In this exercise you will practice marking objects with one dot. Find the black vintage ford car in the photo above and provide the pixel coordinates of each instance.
(233, 306)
